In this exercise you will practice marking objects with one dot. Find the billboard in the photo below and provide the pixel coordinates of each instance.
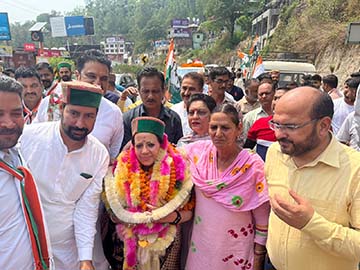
(71, 26)
(58, 27)
(4, 27)
(75, 26)
(180, 23)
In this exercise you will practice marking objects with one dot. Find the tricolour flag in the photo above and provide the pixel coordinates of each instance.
(171, 78)
(258, 68)
(245, 60)
(254, 45)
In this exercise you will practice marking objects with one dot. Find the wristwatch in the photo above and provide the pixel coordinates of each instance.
(177, 219)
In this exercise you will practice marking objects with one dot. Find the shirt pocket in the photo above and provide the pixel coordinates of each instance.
(75, 188)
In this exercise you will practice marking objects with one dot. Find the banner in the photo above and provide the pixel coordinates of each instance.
(53, 53)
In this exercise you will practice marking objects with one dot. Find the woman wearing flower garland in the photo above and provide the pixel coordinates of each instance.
(148, 195)
(232, 204)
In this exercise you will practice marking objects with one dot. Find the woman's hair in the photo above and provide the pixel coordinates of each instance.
(208, 101)
(230, 111)
(160, 140)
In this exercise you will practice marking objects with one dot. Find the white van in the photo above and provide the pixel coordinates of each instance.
(290, 71)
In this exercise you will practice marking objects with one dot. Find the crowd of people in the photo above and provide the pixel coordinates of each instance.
(241, 174)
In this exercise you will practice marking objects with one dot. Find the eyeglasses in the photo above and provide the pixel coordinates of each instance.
(221, 81)
(288, 127)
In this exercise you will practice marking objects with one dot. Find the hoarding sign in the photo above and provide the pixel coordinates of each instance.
(353, 35)
(75, 26)
(68, 26)
(58, 27)
(29, 47)
(4, 27)
(180, 22)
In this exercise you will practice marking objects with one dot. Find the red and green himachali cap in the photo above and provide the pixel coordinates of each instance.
(147, 124)
(81, 94)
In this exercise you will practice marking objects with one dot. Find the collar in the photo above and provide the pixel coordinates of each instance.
(260, 110)
(163, 112)
(332, 91)
(51, 89)
(12, 155)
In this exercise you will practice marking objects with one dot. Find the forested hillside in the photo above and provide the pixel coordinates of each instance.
(144, 21)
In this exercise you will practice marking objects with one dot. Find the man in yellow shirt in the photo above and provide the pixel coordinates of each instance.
(314, 184)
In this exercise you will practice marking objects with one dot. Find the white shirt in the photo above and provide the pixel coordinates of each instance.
(251, 117)
(341, 111)
(70, 200)
(15, 246)
(108, 129)
(54, 85)
(347, 132)
(180, 109)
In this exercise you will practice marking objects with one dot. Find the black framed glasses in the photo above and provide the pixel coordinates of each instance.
(219, 81)
(289, 127)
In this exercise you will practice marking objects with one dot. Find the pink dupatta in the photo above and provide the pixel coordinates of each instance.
(241, 187)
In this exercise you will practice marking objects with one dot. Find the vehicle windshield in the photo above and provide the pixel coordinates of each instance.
(182, 71)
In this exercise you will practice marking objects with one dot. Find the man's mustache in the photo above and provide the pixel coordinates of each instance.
(32, 93)
(284, 140)
(7, 131)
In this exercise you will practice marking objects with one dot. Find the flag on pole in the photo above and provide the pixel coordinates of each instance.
(171, 78)
(245, 59)
(258, 68)
(254, 45)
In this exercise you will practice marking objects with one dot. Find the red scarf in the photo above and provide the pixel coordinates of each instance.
(28, 114)
(33, 214)
(51, 90)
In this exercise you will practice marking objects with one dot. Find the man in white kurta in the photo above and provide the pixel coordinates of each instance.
(69, 179)
(14, 237)
(93, 67)
(15, 245)
(191, 83)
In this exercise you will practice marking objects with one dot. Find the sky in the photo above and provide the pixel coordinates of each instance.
(24, 10)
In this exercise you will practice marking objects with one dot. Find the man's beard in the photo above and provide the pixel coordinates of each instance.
(70, 132)
(9, 142)
(46, 83)
(308, 144)
(66, 78)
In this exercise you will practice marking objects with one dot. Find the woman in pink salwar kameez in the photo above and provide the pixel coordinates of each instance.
(232, 204)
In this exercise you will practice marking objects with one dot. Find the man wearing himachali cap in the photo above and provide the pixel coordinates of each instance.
(69, 165)
(64, 70)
